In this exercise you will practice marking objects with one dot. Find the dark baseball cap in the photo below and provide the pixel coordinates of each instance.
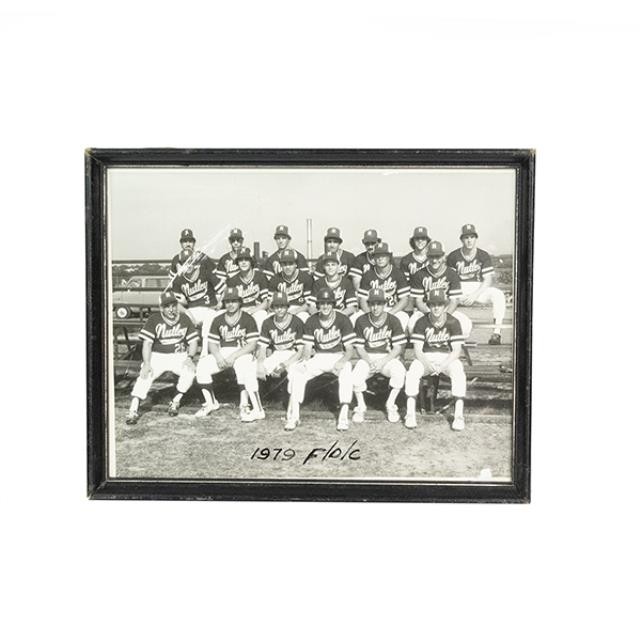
(235, 233)
(281, 230)
(370, 235)
(167, 298)
(288, 255)
(231, 293)
(376, 295)
(420, 232)
(326, 295)
(244, 254)
(382, 250)
(280, 299)
(330, 256)
(435, 248)
(186, 234)
(468, 230)
(333, 233)
(436, 296)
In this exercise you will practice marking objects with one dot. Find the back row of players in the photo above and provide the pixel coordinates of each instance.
(232, 304)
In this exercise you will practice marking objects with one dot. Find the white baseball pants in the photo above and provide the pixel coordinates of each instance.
(275, 359)
(394, 370)
(244, 367)
(454, 370)
(465, 323)
(492, 294)
(161, 363)
(302, 372)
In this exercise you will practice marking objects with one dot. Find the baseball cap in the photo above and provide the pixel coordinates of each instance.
(468, 230)
(166, 298)
(326, 295)
(382, 250)
(288, 255)
(231, 293)
(186, 234)
(376, 295)
(420, 232)
(244, 254)
(436, 296)
(330, 256)
(435, 248)
(282, 230)
(235, 233)
(280, 299)
(370, 235)
(333, 233)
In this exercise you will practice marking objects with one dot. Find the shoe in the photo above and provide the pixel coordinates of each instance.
(358, 415)
(173, 409)
(495, 339)
(343, 424)
(457, 424)
(207, 409)
(132, 417)
(392, 413)
(291, 424)
(410, 421)
(246, 414)
(259, 414)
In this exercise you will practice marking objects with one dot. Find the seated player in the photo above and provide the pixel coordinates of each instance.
(331, 335)
(252, 285)
(232, 341)
(475, 269)
(295, 283)
(436, 275)
(169, 343)
(365, 260)
(280, 342)
(198, 289)
(273, 265)
(417, 258)
(227, 265)
(187, 243)
(341, 286)
(332, 244)
(379, 342)
(386, 276)
(437, 341)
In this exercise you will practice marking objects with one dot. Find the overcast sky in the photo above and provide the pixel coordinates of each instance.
(148, 207)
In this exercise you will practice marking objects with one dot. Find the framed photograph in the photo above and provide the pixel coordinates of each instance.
(309, 324)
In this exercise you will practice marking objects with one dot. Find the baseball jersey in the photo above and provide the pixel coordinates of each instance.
(167, 336)
(329, 339)
(343, 291)
(203, 289)
(434, 338)
(361, 264)
(272, 266)
(470, 270)
(379, 338)
(282, 338)
(224, 334)
(424, 281)
(409, 264)
(254, 291)
(298, 289)
(227, 266)
(395, 285)
(175, 264)
(346, 262)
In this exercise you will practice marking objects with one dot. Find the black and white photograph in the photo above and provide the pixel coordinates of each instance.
(324, 323)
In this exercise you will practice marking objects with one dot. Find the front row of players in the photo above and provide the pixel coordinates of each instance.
(326, 343)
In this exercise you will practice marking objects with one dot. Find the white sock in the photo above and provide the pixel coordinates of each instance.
(177, 398)
(255, 401)
(459, 406)
(360, 399)
(344, 412)
(411, 406)
(135, 403)
(293, 412)
(207, 394)
(393, 394)
(244, 398)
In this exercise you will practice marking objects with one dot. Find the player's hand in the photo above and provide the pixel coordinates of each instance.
(222, 362)
(279, 370)
(190, 365)
(146, 370)
(338, 366)
(374, 367)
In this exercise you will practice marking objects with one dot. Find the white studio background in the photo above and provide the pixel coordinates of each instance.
(558, 76)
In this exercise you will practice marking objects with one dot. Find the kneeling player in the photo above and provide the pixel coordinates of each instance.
(379, 340)
(331, 334)
(281, 334)
(169, 342)
(437, 342)
(232, 340)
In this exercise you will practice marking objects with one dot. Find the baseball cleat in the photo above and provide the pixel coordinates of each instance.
(207, 409)
(358, 415)
(259, 414)
(132, 417)
(291, 424)
(457, 424)
(495, 339)
(410, 421)
(343, 424)
(173, 409)
(392, 413)
(246, 414)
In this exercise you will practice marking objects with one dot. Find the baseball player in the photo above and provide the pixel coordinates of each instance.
(417, 258)
(281, 336)
(252, 285)
(227, 265)
(169, 343)
(345, 296)
(379, 342)
(436, 275)
(294, 283)
(198, 289)
(331, 335)
(273, 265)
(332, 244)
(437, 341)
(386, 276)
(232, 340)
(475, 269)
(365, 260)
(187, 242)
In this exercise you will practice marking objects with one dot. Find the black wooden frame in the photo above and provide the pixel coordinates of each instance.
(98, 161)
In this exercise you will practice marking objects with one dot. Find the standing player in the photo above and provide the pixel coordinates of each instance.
(273, 265)
(379, 342)
(417, 258)
(294, 283)
(232, 341)
(187, 243)
(331, 335)
(475, 268)
(198, 289)
(436, 275)
(227, 265)
(252, 285)
(169, 343)
(386, 276)
(437, 341)
(365, 260)
(281, 336)
(332, 244)
(345, 296)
